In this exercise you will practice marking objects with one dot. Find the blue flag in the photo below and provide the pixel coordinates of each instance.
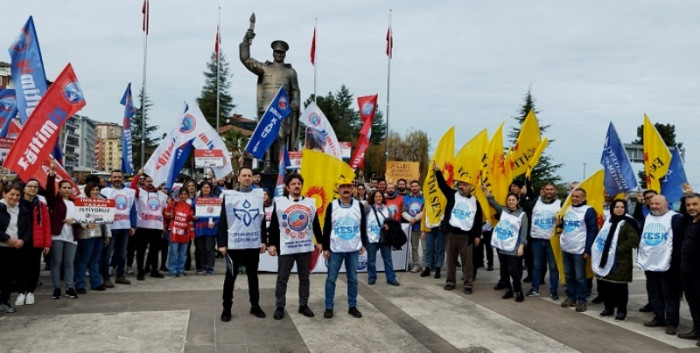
(672, 184)
(282, 174)
(129, 111)
(8, 109)
(27, 70)
(269, 125)
(181, 155)
(619, 175)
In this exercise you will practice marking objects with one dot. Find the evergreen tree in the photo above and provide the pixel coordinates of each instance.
(207, 99)
(137, 124)
(668, 134)
(545, 170)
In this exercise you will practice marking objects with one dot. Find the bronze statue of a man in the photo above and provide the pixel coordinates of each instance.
(272, 75)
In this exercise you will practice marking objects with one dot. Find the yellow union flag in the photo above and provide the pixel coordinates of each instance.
(536, 158)
(468, 164)
(321, 173)
(496, 172)
(526, 144)
(444, 157)
(656, 156)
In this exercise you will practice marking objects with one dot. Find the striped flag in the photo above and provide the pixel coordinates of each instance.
(218, 42)
(389, 42)
(313, 48)
(145, 11)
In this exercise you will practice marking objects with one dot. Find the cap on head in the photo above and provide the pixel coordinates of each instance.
(344, 181)
(280, 45)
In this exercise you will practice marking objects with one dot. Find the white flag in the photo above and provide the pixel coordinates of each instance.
(320, 134)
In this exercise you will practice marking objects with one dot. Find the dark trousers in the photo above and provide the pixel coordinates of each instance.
(164, 249)
(664, 296)
(8, 272)
(147, 238)
(285, 264)
(691, 288)
(131, 250)
(204, 252)
(503, 268)
(514, 270)
(28, 267)
(250, 259)
(529, 262)
(188, 260)
(614, 295)
(458, 245)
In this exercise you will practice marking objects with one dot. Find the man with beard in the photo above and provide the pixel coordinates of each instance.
(290, 235)
(690, 263)
(394, 201)
(541, 230)
(123, 227)
(401, 187)
(412, 213)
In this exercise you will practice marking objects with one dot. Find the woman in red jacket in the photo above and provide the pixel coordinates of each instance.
(181, 233)
(30, 258)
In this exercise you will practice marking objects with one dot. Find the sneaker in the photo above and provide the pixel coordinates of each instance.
(156, 274)
(226, 315)
(532, 293)
(621, 316)
(306, 311)
(7, 307)
(174, 275)
(426, 272)
(415, 269)
(56, 293)
(80, 291)
(354, 312)
(279, 313)
(328, 314)
(671, 330)
(107, 283)
(30, 299)
(371, 281)
(690, 335)
(21, 298)
(122, 280)
(210, 272)
(182, 274)
(554, 297)
(100, 288)
(70, 293)
(201, 272)
(581, 307)
(654, 323)
(257, 311)
(568, 303)
(606, 313)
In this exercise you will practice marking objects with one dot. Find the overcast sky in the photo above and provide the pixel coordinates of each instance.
(463, 63)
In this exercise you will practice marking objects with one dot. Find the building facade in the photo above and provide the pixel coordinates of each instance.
(108, 146)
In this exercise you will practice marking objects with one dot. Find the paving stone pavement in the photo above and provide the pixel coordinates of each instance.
(182, 315)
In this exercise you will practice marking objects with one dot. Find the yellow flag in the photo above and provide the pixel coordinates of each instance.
(321, 173)
(495, 171)
(444, 157)
(656, 156)
(526, 144)
(535, 158)
(468, 163)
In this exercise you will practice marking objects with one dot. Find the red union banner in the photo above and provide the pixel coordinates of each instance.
(368, 107)
(38, 136)
(91, 210)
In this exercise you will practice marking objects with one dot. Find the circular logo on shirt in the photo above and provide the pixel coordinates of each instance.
(153, 203)
(296, 218)
(602, 237)
(544, 220)
(654, 234)
(392, 209)
(188, 124)
(72, 92)
(120, 201)
(414, 208)
(504, 230)
(22, 41)
(346, 228)
(461, 211)
(570, 221)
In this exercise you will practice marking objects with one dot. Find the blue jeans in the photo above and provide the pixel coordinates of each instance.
(575, 274)
(541, 252)
(120, 242)
(336, 259)
(176, 258)
(372, 249)
(434, 253)
(90, 251)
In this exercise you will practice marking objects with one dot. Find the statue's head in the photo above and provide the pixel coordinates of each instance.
(279, 50)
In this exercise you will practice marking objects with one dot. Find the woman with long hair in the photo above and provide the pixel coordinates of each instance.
(205, 229)
(15, 233)
(91, 240)
(375, 215)
(191, 186)
(361, 193)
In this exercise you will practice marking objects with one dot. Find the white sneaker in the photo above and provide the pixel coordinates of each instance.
(21, 298)
(415, 269)
(30, 299)
(129, 270)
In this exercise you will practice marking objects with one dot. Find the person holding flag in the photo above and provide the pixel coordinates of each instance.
(462, 226)
(150, 203)
(293, 224)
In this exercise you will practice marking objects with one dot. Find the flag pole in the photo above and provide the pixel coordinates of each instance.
(315, 25)
(143, 83)
(390, 49)
(218, 39)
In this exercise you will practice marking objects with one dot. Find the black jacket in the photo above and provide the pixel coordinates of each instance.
(449, 193)
(24, 224)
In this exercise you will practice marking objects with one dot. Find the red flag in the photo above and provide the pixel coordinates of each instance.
(313, 48)
(39, 134)
(389, 42)
(145, 11)
(218, 41)
(368, 107)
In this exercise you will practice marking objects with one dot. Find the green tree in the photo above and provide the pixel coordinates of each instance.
(668, 134)
(207, 99)
(137, 130)
(546, 169)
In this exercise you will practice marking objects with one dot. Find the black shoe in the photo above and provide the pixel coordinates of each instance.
(394, 283)
(690, 335)
(140, 277)
(163, 268)
(489, 268)
(437, 272)
(646, 308)
(606, 313)
(527, 279)
(70, 293)
(279, 313)
(226, 315)
(468, 291)
(156, 274)
(598, 300)
(147, 269)
(499, 286)
(80, 291)
(328, 314)
(354, 312)
(508, 294)
(621, 316)
(100, 288)
(519, 297)
(257, 312)
(56, 293)
(306, 311)
(426, 272)
(449, 287)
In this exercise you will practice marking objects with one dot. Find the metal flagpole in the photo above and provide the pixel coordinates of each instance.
(390, 45)
(315, 25)
(143, 85)
(218, 49)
